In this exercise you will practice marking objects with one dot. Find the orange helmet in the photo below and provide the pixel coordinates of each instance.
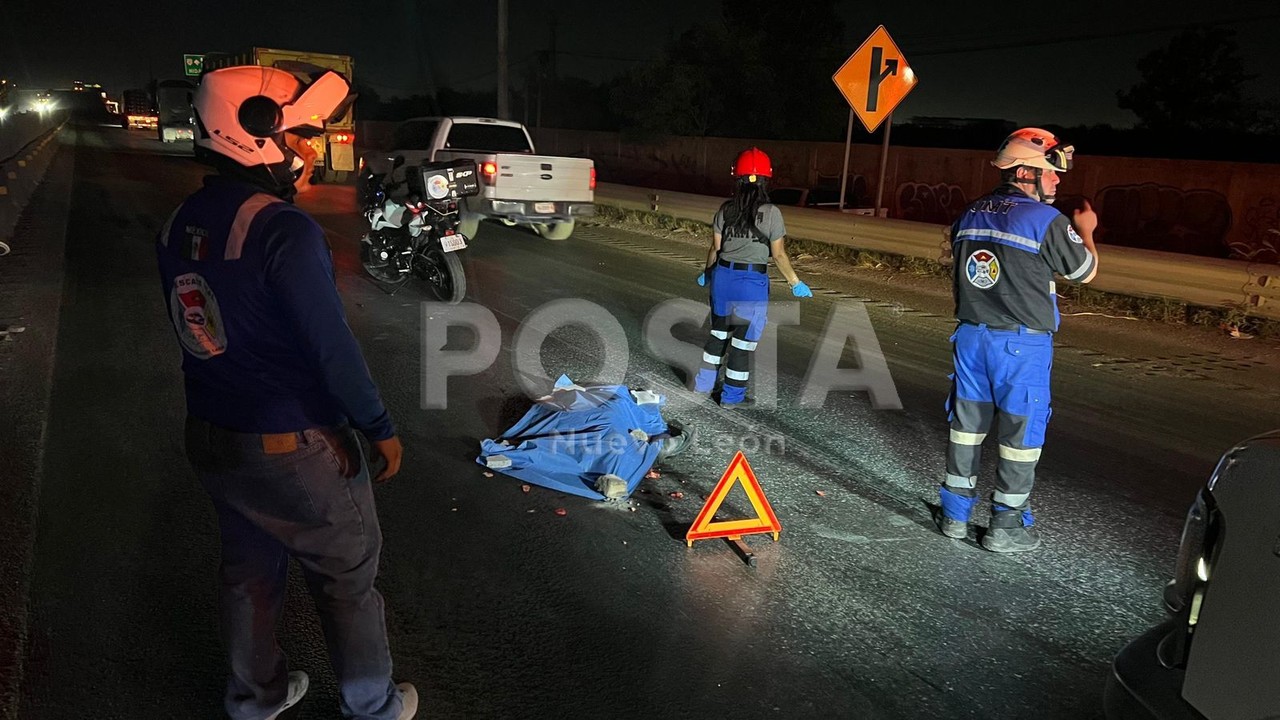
(753, 163)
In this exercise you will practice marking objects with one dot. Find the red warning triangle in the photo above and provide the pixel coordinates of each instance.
(739, 471)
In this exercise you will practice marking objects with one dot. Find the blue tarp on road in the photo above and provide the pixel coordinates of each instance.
(571, 437)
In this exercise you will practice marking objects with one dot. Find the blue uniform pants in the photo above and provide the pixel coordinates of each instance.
(312, 504)
(739, 310)
(1000, 376)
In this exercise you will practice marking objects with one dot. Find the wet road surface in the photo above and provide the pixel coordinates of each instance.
(498, 607)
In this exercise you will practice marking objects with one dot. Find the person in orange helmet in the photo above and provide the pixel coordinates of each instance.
(1007, 246)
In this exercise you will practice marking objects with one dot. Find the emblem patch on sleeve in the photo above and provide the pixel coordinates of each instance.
(194, 311)
(1075, 237)
(982, 269)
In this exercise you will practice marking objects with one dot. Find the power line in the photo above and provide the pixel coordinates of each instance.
(1087, 36)
(494, 71)
(601, 57)
(384, 86)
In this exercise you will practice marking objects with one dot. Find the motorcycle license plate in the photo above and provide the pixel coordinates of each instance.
(449, 243)
(544, 207)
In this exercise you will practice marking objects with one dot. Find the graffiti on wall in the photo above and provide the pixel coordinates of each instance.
(939, 203)
(1259, 233)
(653, 166)
(1160, 217)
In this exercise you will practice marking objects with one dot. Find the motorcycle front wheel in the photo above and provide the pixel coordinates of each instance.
(443, 273)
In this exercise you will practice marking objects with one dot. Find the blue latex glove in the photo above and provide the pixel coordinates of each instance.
(702, 279)
(801, 290)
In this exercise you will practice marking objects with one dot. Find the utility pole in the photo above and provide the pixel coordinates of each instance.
(504, 102)
(540, 75)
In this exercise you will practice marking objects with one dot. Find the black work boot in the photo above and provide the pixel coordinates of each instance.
(1007, 534)
(677, 440)
(952, 528)
(952, 506)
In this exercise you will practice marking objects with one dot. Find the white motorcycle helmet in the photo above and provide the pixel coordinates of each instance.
(243, 112)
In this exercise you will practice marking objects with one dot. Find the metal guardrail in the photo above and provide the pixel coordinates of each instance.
(19, 176)
(1208, 282)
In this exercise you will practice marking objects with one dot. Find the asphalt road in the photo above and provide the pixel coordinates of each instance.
(499, 607)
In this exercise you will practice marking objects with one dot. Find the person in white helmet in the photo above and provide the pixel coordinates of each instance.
(1007, 247)
(276, 387)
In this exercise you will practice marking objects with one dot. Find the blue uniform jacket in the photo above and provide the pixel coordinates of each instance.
(249, 284)
(1007, 247)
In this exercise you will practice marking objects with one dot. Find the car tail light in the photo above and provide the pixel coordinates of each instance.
(1184, 595)
(489, 172)
(593, 177)
(1192, 567)
(342, 138)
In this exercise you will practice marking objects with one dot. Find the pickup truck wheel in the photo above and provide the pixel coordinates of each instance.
(555, 231)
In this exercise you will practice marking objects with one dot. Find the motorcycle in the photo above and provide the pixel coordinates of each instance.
(413, 225)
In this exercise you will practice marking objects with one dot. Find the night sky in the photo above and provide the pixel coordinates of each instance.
(1059, 63)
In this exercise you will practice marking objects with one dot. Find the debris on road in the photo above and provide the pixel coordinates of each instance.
(677, 495)
(612, 487)
(652, 475)
(488, 474)
(561, 511)
(525, 488)
(820, 493)
(1235, 332)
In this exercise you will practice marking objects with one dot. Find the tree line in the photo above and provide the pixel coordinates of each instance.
(763, 71)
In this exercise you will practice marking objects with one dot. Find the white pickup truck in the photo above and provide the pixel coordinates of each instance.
(517, 187)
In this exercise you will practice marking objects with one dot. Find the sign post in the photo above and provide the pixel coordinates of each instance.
(192, 65)
(874, 80)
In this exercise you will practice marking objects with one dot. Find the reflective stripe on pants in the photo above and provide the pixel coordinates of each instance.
(1002, 377)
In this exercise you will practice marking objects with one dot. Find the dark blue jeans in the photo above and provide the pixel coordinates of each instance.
(300, 503)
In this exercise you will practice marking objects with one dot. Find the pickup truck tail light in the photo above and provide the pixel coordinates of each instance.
(489, 172)
(593, 177)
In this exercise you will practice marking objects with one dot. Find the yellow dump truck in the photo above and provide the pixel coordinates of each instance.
(335, 151)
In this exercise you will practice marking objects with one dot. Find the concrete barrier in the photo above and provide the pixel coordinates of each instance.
(1208, 282)
(20, 175)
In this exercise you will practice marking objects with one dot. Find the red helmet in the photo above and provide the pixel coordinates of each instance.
(751, 163)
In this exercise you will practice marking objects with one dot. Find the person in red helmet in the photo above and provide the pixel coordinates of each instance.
(747, 231)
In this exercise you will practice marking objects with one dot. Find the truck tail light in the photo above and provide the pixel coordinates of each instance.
(489, 172)
(593, 177)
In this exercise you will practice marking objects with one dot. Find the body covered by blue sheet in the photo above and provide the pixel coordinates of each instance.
(576, 434)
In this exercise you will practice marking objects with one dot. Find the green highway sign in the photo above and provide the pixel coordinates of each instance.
(193, 65)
